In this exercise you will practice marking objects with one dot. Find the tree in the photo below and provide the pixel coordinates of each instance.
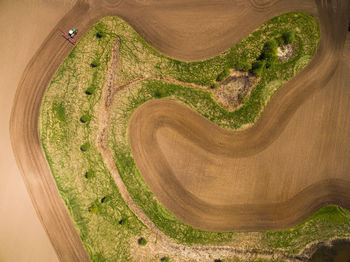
(288, 37)
(258, 67)
(223, 75)
(280, 41)
(90, 90)
(142, 241)
(214, 85)
(89, 174)
(85, 118)
(269, 52)
(165, 259)
(85, 147)
(93, 209)
(243, 65)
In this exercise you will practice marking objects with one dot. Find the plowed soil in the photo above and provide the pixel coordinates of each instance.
(313, 105)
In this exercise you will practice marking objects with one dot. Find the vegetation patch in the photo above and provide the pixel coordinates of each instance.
(103, 220)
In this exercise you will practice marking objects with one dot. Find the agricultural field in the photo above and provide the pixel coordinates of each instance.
(84, 130)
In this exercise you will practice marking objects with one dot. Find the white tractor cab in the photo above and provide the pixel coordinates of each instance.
(73, 32)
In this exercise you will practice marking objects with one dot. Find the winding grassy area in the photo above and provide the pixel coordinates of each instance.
(69, 128)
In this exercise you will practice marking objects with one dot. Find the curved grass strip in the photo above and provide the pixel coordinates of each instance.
(62, 134)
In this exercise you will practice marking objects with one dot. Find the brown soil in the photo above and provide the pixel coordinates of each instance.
(191, 31)
(24, 25)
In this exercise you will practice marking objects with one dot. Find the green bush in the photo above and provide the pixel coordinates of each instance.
(280, 41)
(85, 147)
(122, 221)
(269, 52)
(93, 209)
(289, 37)
(85, 118)
(258, 67)
(214, 85)
(90, 90)
(165, 259)
(159, 93)
(95, 63)
(100, 33)
(243, 65)
(142, 241)
(223, 75)
(89, 174)
(101, 29)
(105, 199)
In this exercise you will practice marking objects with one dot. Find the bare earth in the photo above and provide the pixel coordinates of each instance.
(24, 25)
(303, 134)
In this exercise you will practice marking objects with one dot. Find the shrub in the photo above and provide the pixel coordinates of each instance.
(258, 67)
(105, 199)
(218, 260)
(214, 85)
(165, 259)
(289, 37)
(89, 174)
(243, 65)
(95, 63)
(85, 147)
(159, 93)
(142, 241)
(100, 33)
(269, 52)
(100, 28)
(280, 41)
(85, 118)
(223, 75)
(90, 90)
(61, 111)
(93, 209)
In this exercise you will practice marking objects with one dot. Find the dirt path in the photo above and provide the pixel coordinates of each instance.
(184, 30)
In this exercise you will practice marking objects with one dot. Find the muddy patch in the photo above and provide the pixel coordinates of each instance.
(231, 92)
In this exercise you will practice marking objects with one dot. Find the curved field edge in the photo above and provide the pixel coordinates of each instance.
(89, 191)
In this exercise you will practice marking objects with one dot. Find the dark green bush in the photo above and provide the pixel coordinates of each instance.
(214, 85)
(258, 67)
(85, 118)
(159, 93)
(165, 259)
(93, 209)
(243, 65)
(85, 147)
(105, 199)
(289, 37)
(223, 75)
(269, 52)
(95, 63)
(142, 241)
(90, 90)
(100, 33)
(89, 174)
(280, 41)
